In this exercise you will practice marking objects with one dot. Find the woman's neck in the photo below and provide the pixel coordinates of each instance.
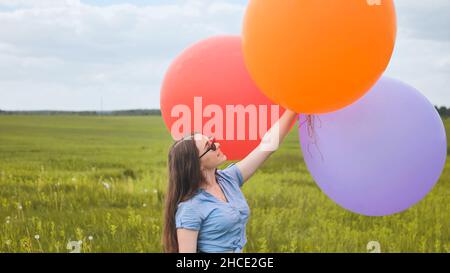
(210, 178)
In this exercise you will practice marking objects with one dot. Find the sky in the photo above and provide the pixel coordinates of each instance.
(112, 55)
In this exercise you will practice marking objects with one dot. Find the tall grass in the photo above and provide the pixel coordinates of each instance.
(99, 182)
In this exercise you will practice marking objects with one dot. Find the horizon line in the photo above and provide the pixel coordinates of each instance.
(68, 110)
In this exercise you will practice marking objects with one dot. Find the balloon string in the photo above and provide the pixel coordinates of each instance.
(311, 120)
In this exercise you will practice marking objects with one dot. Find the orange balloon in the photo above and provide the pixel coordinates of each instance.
(318, 56)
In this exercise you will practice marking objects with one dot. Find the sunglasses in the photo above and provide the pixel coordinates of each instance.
(211, 147)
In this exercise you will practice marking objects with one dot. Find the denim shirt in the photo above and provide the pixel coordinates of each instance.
(221, 225)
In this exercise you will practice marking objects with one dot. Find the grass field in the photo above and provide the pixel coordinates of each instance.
(100, 181)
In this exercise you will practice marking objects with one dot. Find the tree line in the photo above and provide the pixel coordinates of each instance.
(443, 112)
(135, 112)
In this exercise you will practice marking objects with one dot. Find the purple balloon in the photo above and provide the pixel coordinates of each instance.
(379, 156)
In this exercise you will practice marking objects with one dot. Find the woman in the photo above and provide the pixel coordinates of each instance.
(205, 210)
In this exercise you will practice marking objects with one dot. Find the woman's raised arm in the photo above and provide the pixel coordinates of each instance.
(270, 143)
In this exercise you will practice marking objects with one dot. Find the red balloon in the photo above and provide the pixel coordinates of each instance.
(207, 89)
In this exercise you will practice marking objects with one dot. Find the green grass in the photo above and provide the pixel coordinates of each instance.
(101, 180)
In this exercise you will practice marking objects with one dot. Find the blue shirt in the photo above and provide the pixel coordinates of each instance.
(221, 225)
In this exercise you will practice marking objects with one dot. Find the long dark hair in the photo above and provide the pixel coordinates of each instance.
(185, 178)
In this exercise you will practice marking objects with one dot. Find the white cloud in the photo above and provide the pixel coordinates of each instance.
(57, 54)
(424, 19)
(38, 3)
(422, 52)
(65, 49)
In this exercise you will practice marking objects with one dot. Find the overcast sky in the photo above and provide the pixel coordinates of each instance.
(72, 55)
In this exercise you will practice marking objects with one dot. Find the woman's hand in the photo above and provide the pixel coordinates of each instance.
(270, 143)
